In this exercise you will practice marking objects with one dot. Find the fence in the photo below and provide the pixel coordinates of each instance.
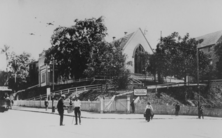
(77, 90)
(122, 106)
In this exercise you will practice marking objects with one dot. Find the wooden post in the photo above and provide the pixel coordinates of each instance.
(101, 105)
(128, 103)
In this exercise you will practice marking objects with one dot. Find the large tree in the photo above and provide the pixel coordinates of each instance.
(177, 56)
(109, 61)
(3, 78)
(73, 47)
(19, 69)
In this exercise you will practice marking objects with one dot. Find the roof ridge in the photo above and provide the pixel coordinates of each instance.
(123, 36)
(209, 34)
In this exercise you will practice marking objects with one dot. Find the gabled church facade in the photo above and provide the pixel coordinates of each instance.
(132, 44)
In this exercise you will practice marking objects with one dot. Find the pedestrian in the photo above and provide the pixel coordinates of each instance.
(70, 101)
(60, 108)
(132, 106)
(46, 104)
(148, 111)
(200, 112)
(77, 110)
(177, 109)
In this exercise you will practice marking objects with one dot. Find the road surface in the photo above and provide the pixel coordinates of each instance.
(22, 124)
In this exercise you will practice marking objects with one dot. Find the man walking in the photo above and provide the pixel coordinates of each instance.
(60, 108)
(77, 105)
(132, 106)
(177, 109)
(200, 111)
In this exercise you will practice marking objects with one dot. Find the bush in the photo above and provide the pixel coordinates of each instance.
(122, 80)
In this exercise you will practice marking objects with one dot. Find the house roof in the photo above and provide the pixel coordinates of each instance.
(123, 40)
(210, 39)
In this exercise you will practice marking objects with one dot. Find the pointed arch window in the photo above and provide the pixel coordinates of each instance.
(139, 62)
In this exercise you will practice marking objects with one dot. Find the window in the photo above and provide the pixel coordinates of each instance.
(43, 77)
(209, 48)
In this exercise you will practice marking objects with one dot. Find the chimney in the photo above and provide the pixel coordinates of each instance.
(114, 38)
(125, 33)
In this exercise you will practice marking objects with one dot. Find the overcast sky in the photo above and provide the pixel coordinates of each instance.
(20, 18)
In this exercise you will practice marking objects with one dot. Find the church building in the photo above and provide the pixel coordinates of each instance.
(132, 44)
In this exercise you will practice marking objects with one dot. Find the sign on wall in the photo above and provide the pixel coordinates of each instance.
(140, 92)
(48, 91)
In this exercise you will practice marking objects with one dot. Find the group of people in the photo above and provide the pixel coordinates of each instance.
(149, 113)
(75, 104)
(200, 110)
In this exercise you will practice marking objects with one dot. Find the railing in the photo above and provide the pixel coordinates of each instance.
(77, 90)
(172, 85)
(27, 88)
(72, 81)
(135, 81)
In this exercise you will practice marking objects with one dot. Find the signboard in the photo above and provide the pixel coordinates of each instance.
(4, 88)
(140, 92)
(48, 91)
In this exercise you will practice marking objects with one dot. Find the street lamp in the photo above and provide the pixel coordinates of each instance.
(52, 98)
(53, 78)
(53, 75)
(197, 56)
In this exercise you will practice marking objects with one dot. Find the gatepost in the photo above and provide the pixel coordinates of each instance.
(101, 105)
(128, 103)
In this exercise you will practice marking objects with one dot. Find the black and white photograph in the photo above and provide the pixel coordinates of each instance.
(110, 68)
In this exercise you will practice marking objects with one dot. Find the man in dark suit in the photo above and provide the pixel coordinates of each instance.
(132, 106)
(60, 108)
(177, 109)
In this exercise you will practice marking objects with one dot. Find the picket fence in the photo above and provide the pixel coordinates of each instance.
(122, 106)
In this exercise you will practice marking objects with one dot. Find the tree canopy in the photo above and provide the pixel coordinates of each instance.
(177, 56)
(218, 52)
(73, 47)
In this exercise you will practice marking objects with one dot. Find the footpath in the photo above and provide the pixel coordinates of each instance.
(93, 115)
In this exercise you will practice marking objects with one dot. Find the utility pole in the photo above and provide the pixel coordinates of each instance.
(53, 78)
(53, 75)
(198, 75)
(198, 83)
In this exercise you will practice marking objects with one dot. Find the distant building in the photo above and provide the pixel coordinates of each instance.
(44, 70)
(131, 44)
(208, 44)
(33, 73)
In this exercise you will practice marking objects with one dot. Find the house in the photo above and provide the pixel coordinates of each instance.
(209, 43)
(132, 44)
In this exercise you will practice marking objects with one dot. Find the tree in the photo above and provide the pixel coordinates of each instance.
(176, 56)
(218, 52)
(73, 47)
(19, 69)
(5, 50)
(3, 78)
(109, 61)
(152, 67)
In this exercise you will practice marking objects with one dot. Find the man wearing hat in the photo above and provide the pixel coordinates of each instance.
(60, 108)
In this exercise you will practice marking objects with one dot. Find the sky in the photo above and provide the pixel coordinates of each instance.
(21, 18)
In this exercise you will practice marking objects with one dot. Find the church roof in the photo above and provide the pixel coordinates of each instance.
(123, 40)
(210, 39)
